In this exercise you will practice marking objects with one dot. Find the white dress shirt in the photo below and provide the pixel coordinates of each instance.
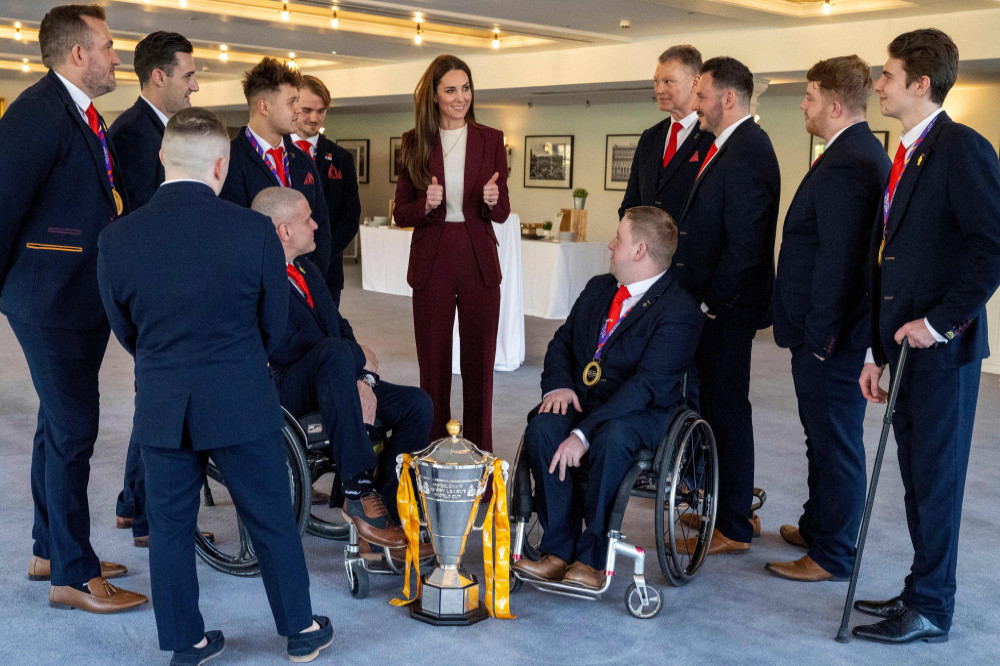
(159, 114)
(687, 126)
(453, 143)
(313, 143)
(80, 98)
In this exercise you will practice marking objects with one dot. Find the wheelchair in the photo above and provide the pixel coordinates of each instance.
(308, 459)
(680, 476)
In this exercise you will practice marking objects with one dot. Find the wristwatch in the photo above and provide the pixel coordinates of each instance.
(368, 378)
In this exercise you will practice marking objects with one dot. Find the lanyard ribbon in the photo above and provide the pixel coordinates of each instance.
(260, 151)
(890, 195)
(605, 333)
(107, 155)
(409, 516)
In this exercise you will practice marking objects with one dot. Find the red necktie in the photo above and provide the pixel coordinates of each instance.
(897, 170)
(278, 155)
(92, 119)
(615, 313)
(708, 158)
(305, 146)
(300, 282)
(675, 129)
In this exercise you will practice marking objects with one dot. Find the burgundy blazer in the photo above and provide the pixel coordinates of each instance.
(484, 155)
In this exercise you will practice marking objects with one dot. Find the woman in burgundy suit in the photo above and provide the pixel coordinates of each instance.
(452, 185)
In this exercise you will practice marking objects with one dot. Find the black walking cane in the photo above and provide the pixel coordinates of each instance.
(890, 408)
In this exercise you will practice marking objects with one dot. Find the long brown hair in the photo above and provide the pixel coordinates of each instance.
(415, 152)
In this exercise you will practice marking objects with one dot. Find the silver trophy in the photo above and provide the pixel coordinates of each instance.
(451, 477)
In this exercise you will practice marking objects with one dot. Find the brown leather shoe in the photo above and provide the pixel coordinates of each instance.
(721, 545)
(584, 575)
(398, 555)
(693, 520)
(40, 569)
(123, 523)
(103, 598)
(803, 569)
(791, 535)
(371, 519)
(755, 524)
(141, 542)
(549, 567)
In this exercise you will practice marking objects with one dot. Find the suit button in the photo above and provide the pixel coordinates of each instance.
(887, 298)
(658, 203)
(683, 233)
(678, 264)
(888, 258)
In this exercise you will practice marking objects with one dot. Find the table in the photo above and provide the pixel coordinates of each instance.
(555, 274)
(385, 255)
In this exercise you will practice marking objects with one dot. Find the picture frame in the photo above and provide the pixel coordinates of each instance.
(548, 161)
(395, 146)
(358, 148)
(619, 150)
(883, 136)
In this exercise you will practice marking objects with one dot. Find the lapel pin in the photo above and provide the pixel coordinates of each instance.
(920, 160)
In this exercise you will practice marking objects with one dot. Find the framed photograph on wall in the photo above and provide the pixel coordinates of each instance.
(548, 161)
(395, 145)
(883, 136)
(618, 153)
(816, 148)
(358, 148)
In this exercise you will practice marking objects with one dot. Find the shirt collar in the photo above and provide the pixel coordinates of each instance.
(687, 121)
(313, 141)
(911, 137)
(80, 98)
(159, 114)
(265, 146)
(834, 137)
(637, 289)
(728, 132)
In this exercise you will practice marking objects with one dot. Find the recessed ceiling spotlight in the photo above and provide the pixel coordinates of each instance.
(334, 21)
(17, 31)
(495, 42)
(624, 24)
(24, 66)
(223, 53)
(827, 6)
(285, 14)
(419, 37)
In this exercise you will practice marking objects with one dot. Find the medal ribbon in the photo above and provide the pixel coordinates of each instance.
(888, 196)
(263, 156)
(107, 155)
(605, 334)
(496, 541)
(409, 516)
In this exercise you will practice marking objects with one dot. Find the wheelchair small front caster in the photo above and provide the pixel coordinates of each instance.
(633, 602)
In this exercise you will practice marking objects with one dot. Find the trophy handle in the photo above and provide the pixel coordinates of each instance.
(399, 465)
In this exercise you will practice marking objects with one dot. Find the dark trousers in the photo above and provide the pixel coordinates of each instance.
(832, 411)
(723, 362)
(561, 505)
(257, 481)
(456, 282)
(935, 412)
(132, 499)
(64, 365)
(324, 380)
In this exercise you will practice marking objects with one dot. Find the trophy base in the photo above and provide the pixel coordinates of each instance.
(449, 606)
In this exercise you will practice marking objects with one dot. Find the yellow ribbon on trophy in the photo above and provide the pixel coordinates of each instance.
(497, 523)
(409, 516)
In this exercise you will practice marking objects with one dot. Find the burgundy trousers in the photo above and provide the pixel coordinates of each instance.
(455, 281)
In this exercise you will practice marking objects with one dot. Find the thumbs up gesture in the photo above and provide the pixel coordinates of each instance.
(491, 191)
(435, 195)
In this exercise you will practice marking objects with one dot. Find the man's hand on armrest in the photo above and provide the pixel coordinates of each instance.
(558, 401)
(568, 454)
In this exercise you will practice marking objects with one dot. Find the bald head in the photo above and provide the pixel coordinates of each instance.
(292, 218)
(196, 145)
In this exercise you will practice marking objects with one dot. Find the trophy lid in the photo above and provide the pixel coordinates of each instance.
(453, 451)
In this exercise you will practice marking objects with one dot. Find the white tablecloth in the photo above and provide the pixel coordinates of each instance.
(385, 254)
(556, 273)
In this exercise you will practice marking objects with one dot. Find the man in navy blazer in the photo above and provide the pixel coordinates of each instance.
(725, 258)
(58, 188)
(820, 312)
(167, 77)
(671, 152)
(934, 262)
(319, 365)
(602, 420)
(194, 290)
(336, 172)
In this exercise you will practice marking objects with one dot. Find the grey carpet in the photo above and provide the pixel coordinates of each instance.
(733, 612)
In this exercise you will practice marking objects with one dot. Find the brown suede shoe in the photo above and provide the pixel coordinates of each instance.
(693, 520)
(721, 545)
(40, 569)
(803, 569)
(123, 523)
(791, 535)
(584, 575)
(371, 519)
(549, 567)
(103, 598)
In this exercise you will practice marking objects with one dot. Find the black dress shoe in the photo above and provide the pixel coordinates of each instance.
(906, 627)
(193, 656)
(889, 608)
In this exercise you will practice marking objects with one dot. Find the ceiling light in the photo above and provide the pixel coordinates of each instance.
(183, 3)
(24, 66)
(17, 31)
(334, 21)
(419, 37)
(285, 14)
(827, 6)
(495, 42)
(291, 61)
(223, 53)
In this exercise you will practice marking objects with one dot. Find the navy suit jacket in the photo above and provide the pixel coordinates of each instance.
(340, 189)
(249, 174)
(649, 184)
(308, 326)
(54, 200)
(643, 362)
(195, 289)
(820, 292)
(942, 251)
(138, 134)
(725, 249)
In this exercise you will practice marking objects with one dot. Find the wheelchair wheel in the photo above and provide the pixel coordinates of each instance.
(635, 606)
(533, 529)
(686, 490)
(232, 551)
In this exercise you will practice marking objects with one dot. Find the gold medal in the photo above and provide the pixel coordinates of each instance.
(118, 201)
(592, 373)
